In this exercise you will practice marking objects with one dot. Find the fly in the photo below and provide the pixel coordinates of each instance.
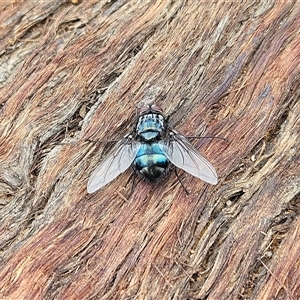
(150, 148)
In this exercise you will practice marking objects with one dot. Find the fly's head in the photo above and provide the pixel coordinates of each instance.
(144, 109)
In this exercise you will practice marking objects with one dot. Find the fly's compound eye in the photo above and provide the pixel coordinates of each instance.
(157, 108)
(143, 109)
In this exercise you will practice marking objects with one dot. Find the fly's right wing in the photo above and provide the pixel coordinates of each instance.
(120, 159)
(183, 155)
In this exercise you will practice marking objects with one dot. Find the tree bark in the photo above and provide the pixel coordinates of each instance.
(73, 71)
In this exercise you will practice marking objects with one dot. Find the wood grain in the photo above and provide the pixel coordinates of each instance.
(73, 71)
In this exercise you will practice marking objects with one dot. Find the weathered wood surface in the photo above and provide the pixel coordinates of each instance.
(71, 71)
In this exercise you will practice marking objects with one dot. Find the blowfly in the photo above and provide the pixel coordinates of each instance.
(150, 148)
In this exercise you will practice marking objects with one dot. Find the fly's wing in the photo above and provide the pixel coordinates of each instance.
(184, 156)
(120, 159)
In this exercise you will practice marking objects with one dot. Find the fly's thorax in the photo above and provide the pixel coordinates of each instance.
(151, 126)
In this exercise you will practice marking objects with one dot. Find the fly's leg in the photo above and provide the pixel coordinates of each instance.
(206, 137)
(101, 141)
(176, 173)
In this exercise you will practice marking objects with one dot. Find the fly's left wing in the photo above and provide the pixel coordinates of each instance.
(183, 155)
(119, 159)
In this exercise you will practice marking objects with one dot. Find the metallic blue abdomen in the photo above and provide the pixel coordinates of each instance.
(150, 160)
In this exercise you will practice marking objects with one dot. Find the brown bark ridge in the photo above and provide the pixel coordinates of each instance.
(73, 71)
